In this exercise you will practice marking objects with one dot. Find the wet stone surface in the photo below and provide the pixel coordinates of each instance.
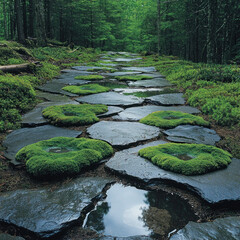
(128, 212)
(168, 99)
(25, 136)
(111, 111)
(111, 98)
(51, 97)
(140, 69)
(125, 59)
(192, 134)
(137, 113)
(222, 228)
(156, 82)
(122, 133)
(47, 211)
(219, 186)
(9, 237)
(35, 118)
(120, 74)
(56, 87)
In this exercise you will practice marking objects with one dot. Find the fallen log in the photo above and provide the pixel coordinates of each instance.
(16, 68)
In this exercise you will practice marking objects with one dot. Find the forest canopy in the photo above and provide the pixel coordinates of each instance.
(196, 30)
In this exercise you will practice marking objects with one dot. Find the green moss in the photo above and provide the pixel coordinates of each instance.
(170, 119)
(62, 156)
(74, 115)
(187, 159)
(112, 85)
(86, 89)
(90, 77)
(133, 78)
(47, 71)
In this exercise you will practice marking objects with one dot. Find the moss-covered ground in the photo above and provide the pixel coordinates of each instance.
(86, 89)
(61, 156)
(90, 77)
(171, 119)
(133, 77)
(74, 115)
(187, 159)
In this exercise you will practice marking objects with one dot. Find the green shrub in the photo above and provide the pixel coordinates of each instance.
(47, 71)
(62, 156)
(171, 119)
(90, 77)
(86, 89)
(7, 53)
(187, 159)
(68, 115)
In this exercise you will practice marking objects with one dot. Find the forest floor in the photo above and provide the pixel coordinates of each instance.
(13, 178)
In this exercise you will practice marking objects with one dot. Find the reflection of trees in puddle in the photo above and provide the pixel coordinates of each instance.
(95, 218)
(157, 220)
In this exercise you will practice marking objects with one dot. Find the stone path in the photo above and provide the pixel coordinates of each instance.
(47, 212)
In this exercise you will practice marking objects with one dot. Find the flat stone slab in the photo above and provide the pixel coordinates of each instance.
(134, 90)
(168, 99)
(126, 238)
(115, 74)
(111, 98)
(140, 69)
(137, 113)
(125, 59)
(156, 82)
(85, 68)
(122, 133)
(51, 97)
(48, 211)
(192, 134)
(109, 64)
(35, 118)
(55, 87)
(4, 236)
(216, 187)
(111, 111)
(25, 136)
(221, 228)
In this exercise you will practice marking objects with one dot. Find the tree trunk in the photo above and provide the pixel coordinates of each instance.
(40, 23)
(47, 5)
(19, 18)
(211, 35)
(158, 26)
(25, 27)
(5, 20)
(31, 18)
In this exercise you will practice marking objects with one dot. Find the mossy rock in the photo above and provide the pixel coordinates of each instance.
(90, 77)
(187, 159)
(133, 78)
(74, 115)
(171, 119)
(62, 156)
(86, 89)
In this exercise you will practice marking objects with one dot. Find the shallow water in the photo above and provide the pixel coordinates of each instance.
(128, 211)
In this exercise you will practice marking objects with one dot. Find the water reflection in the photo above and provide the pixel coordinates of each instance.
(128, 211)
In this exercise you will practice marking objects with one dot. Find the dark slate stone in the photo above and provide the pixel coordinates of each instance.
(137, 113)
(48, 211)
(4, 236)
(126, 238)
(35, 118)
(25, 136)
(120, 74)
(192, 134)
(215, 187)
(168, 99)
(111, 98)
(220, 229)
(134, 90)
(71, 81)
(51, 97)
(140, 69)
(122, 133)
(156, 82)
(55, 87)
(109, 64)
(111, 111)
(85, 68)
(72, 73)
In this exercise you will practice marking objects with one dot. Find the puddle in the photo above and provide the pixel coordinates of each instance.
(128, 211)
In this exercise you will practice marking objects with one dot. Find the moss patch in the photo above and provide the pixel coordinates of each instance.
(74, 115)
(90, 77)
(133, 78)
(86, 89)
(112, 85)
(187, 159)
(62, 156)
(170, 119)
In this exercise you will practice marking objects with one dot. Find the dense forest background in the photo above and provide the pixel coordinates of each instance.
(197, 30)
